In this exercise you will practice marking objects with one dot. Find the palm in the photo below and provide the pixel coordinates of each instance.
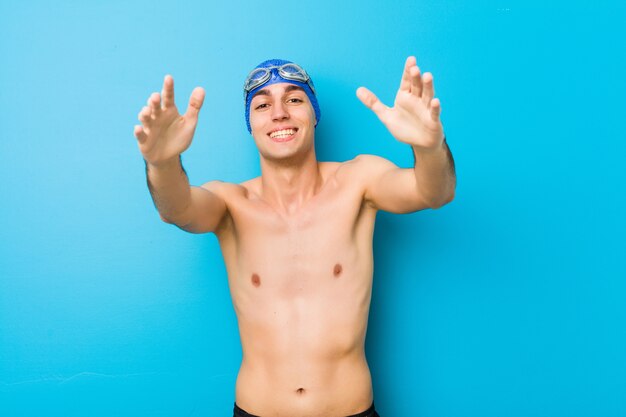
(164, 133)
(168, 135)
(414, 118)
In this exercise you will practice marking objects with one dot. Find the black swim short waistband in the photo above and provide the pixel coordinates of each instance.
(370, 412)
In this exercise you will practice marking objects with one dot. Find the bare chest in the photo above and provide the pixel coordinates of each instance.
(302, 252)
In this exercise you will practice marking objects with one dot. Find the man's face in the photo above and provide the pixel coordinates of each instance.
(282, 121)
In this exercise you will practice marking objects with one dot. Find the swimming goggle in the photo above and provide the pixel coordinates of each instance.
(290, 71)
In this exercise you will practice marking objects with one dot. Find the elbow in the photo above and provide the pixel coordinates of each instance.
(179, 219)
(187, 226)
(165, 219)
(443, 200)
(450, 196)
(170, 220)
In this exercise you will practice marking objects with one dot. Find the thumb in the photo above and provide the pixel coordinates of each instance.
(371, 101)
(195, 102)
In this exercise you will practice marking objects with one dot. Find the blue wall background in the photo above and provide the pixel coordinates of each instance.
(508, 302)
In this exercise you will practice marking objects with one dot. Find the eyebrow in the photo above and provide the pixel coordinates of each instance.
(293, 87)
(289, 88)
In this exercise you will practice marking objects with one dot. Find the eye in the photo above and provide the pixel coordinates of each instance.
(295, 100)
(261, 106)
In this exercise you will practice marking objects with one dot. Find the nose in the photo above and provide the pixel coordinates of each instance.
(279, 111)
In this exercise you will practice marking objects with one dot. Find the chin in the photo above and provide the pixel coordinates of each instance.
(287, 157)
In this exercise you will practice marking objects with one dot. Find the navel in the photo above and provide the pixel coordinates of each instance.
(300, 391)
(256, 280)
(337, 270)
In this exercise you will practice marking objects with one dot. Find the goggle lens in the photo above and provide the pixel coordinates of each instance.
(256, 78)
(260, 76)
(292, 71)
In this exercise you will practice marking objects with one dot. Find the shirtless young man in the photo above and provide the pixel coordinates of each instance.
(297, 241)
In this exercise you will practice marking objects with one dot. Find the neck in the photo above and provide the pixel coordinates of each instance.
(287, 185)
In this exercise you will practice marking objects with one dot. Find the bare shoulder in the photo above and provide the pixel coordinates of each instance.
(230, 196)
(355, 174)
(225, 190)
(368, 163)
(329, 169)
(363, 167)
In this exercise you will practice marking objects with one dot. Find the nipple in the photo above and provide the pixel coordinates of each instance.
(256, 280)
(337, 270)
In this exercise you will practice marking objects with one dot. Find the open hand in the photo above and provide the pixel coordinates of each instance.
(414, 117)
(164, 133)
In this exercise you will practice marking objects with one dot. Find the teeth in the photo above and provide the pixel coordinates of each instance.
(282, 133)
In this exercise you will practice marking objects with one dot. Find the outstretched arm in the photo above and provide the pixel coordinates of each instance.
(414, 120)
(162, 136)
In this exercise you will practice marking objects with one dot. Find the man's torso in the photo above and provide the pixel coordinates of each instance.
(301, 288)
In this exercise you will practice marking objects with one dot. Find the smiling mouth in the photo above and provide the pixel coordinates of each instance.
(283, 134)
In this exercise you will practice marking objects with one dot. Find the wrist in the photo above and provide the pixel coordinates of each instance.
(165, 165)
(436, 148)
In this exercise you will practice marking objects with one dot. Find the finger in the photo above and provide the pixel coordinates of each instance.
(154, 102)
(168, 92)
(435, 109)
(145, 116)
(195, 102)
(371, 101)
(416, 81)
(405, 83)
(429, 89)
(140, 134)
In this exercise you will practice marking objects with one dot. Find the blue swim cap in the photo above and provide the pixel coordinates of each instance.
(275, 79)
